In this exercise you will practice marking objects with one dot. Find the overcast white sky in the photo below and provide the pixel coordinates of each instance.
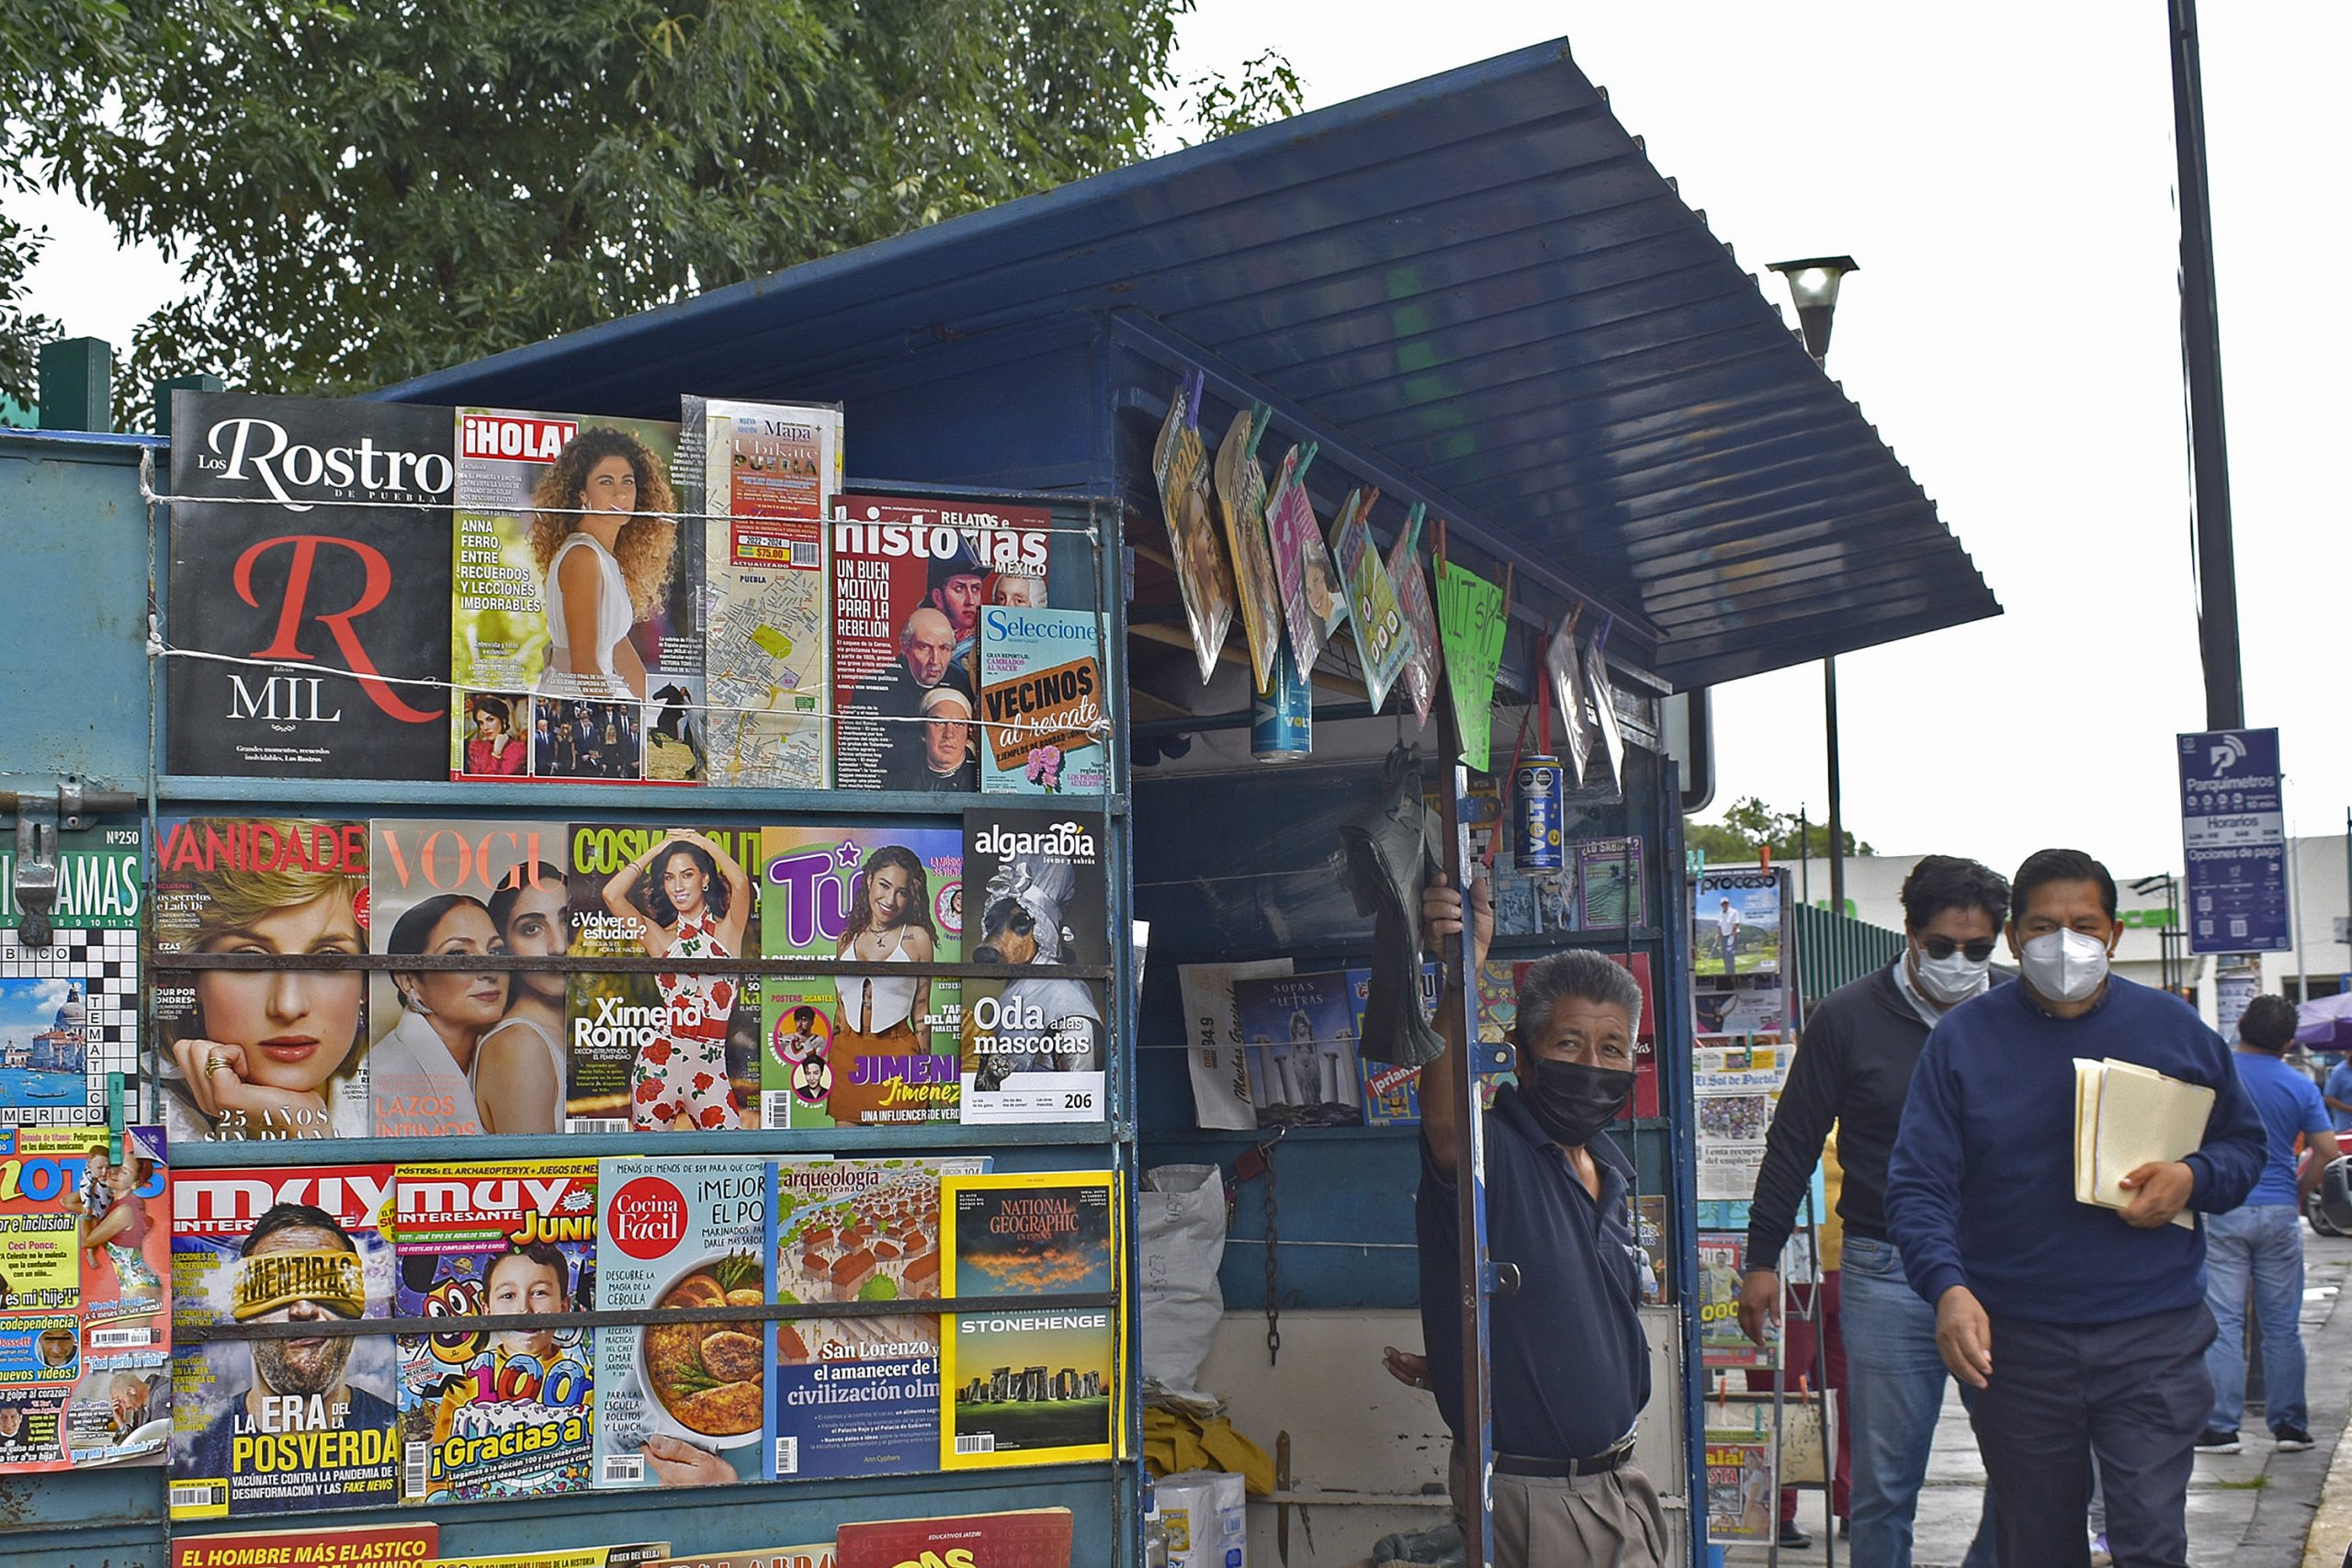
(2003, 172)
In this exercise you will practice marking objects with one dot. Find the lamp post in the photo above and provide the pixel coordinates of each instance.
(1814, 281)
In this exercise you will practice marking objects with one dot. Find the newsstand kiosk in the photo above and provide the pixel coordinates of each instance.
(1472, 294)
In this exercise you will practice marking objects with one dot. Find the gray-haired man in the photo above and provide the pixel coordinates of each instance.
(1569, 1365)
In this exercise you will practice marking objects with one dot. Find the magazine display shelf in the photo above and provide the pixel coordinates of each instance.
(69, 1520)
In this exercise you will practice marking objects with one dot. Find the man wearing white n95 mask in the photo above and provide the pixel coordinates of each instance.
(2075, 1330)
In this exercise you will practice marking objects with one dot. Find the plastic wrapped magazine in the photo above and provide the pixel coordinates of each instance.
(1181, 465)
(1382, 642)
(1241, 497)
(1564, 669)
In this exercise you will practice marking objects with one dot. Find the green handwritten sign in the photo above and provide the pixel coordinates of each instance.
(1470, 625)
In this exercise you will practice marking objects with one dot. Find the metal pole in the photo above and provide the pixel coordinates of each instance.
(2295, 916)
(2200, 348)
(1837, 807)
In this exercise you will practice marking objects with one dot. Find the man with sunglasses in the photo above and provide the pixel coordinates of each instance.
(1853, 1070)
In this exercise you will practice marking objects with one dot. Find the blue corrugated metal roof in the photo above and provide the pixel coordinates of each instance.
(1479, 278)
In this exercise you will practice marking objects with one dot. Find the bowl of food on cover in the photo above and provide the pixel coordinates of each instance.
(705, 1380)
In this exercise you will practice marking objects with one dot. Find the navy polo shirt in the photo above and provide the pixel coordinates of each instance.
(1570, 1365)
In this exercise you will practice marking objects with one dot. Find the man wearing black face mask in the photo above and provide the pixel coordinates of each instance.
(1569, 1365)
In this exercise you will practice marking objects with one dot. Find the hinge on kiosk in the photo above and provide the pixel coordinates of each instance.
(39, 819)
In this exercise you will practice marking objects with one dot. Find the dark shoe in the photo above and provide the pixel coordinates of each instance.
(1845, 1526)
(2214, 1441)
(2294, 1441)
(1792, 1536)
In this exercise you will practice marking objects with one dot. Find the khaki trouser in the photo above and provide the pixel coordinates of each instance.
(1611, 1520)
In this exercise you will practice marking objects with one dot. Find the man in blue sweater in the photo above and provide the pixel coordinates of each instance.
(2073, 1329)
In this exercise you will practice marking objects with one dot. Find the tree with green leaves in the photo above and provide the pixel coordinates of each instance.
(357, 193)
(1749, 825)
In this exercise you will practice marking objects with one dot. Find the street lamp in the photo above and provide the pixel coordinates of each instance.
(1814, 281)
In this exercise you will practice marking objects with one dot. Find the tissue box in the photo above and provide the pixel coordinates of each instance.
(1204, 1515)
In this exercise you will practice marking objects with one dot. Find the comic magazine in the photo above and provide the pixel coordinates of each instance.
(1031, 1387)
(1241, 497)
(681, 1405)
(1412, 588)
(855, 1395)
(505, 1415)
(533, 491)
(69, 1009)
(341, 1546)
(1300, 1034)
(84, 1299)
(667, 1050)
(910, 580)
(448, 888)
(237, 1056)
(1204, 580)
(334, 602)
(1041, 698)
(770, 471)
(264, 1426)
(866, 1048)
(1313, 601)
(1382, 641)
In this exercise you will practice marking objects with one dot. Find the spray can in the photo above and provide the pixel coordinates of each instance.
(1282, 718)
(1539, 790)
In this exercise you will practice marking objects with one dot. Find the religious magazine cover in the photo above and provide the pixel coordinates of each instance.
(495, 1415)
(669, 1050)
(1721, 1261)
(1029, 1387)
(1041, 703)
(1241, 499)
(575, 618)
(443, 1041)
(1736, 921)
(69, 1007)
(85, 1374)
(885, 1050)
(1392, 1094)
(1038, 1053)
(245, 1054)
(1383, 640)
(1300, 1034)
(281, 1426)
(1030, 1538)
(1608, 883)
(319, 609)
(1743, 1494)
(855, 1395)
(910, 580)
(770, 472)
(681, 1405)
(1314, 599)
(1217, 1060)
(1204, 579)
(1412, 588)
(338, 1546)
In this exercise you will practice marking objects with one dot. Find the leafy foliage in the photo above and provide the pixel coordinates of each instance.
(358, 194)
(1748, 823)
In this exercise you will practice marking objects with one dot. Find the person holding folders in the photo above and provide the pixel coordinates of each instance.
(2075, 1329)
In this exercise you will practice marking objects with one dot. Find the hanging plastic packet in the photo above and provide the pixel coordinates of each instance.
(1290, 526)
(1181, 463)
(1471, 614)
(1382, 644)
(1564, 666)
(1412, 588)
(1241, 495)
(1604, 701)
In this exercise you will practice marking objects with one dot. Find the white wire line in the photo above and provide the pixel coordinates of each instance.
(1100, 731)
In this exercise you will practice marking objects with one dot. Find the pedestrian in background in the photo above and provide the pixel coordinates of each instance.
(2262, 1241)
(2073, 1329)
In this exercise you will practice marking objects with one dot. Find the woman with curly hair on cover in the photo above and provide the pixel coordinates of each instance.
(696, 903)
(609, 555)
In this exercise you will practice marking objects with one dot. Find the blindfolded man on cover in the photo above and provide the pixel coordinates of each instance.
(1569, 1365)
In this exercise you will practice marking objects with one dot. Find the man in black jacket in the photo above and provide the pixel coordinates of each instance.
(1853, 1068)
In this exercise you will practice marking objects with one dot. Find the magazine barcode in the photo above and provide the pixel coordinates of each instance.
(596, 1125)
(775, 1109)
(417, 1468)
(120, 1339)
(199, 1495)
(806, 555)
(623, 1467)
(788, 1456)
(976, 1443)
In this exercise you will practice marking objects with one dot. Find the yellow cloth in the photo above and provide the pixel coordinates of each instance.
(1175, 1441)
(1833, 1178)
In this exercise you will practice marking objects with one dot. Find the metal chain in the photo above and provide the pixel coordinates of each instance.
(1273, 1279)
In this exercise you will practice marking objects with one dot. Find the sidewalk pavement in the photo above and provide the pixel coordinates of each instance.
(2256, 1509)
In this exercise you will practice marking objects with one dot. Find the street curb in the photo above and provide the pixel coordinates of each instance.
(2286, 1518)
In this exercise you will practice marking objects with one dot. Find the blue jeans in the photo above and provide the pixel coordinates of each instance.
(1895, 1392)
(2263, 1241)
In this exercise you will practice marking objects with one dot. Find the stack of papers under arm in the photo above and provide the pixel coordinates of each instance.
(2126, 1116)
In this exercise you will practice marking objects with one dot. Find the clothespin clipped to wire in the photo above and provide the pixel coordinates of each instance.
(1298, 475)
(114, 1118)
(1261, 415)
(1412, 532)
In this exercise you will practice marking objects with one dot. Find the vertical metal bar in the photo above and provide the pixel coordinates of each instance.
(1677, 1098)
(1475, 1443)
(1837, 793)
